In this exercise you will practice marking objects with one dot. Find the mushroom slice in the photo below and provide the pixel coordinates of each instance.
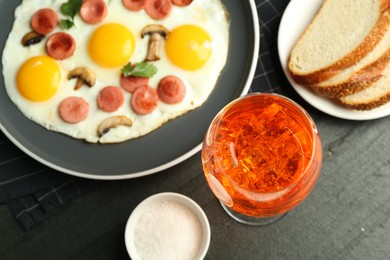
(156, 32)
(31, 38)
(112, 122)
(84, 76)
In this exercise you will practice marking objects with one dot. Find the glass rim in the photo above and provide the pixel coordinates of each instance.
(313, 133)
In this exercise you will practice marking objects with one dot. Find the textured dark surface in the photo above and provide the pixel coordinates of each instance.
(345, 217)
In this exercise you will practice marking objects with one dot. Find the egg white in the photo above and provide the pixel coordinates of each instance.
(207, 14)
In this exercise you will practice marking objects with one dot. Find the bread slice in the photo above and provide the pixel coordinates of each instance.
(341, 34)
(371, 97)
(359, 76)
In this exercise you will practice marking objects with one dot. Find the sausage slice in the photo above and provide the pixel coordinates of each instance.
(134, 5)
(181, 2)
(44, 21)
(93, 11)
(73, 109)
(158, 9)
(171, 89)
(144, 100)
(131, 83)
(110, 98)
(60, 46)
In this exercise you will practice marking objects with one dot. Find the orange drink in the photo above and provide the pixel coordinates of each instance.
(261, 156)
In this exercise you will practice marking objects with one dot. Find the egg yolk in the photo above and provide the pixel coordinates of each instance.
(188, 47)
(111, 45)
(38, 78)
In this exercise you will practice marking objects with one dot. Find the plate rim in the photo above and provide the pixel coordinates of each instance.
(320, 103)
(166, 165)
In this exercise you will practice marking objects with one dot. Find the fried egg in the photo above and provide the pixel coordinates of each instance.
(195, 51)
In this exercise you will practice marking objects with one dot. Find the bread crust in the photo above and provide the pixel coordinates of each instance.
(365, 47)
(367, 105)
(345, 88)
(374, 96)
(360, 80)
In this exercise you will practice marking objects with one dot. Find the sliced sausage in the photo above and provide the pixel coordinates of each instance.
(181, 2)
(44, 21)
(110, 98)
(171, 90)
(93, 11)
(144, 100)
(134, 5)
(158, 9)
(73, 109)
(130, 83)
(60, 46)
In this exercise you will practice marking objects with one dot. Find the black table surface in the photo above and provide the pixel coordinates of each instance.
(347, 216)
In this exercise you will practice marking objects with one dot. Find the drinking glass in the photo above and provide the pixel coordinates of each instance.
(261, 157)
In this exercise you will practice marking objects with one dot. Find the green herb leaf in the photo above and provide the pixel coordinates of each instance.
(141, 69)
(66, 24)
(70, 8)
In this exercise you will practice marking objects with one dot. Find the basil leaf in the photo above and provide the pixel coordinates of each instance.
(66, 24)
(141, 69)
(70, 8)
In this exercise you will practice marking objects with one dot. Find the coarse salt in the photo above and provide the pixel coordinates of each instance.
(168, 230)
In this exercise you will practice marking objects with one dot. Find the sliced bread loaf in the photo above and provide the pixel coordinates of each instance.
(341, 34)
(359, 76)
(371, 97)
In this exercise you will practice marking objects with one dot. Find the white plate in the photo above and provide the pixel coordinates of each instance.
(296, 17)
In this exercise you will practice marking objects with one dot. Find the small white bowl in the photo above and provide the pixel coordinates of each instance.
(169, 204)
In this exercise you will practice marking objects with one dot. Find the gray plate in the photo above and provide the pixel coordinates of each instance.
(174, 142)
